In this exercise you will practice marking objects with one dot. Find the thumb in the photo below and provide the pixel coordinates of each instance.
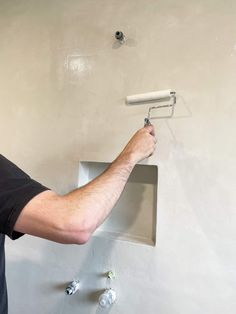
(150, 129)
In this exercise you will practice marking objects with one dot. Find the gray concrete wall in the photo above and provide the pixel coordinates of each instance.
(57, 109)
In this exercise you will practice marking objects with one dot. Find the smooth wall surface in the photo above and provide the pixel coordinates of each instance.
(63, 83)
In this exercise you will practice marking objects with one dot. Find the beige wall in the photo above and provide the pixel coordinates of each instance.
(52, 116)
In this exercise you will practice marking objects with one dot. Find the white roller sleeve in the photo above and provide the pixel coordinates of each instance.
(149, 96)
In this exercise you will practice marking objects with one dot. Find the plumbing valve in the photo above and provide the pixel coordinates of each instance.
(120, 36)
(107, 298)
(73, 287)
(111, 275)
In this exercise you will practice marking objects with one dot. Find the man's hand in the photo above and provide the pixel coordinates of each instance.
(141, 145)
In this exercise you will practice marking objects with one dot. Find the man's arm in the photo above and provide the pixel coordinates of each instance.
(72, 218)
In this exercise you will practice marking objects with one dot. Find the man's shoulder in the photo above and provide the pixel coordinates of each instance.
(9, 170)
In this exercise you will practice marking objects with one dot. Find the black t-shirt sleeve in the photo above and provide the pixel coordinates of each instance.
(16, 190)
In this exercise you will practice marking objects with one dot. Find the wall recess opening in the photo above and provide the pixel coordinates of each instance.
(134, 216)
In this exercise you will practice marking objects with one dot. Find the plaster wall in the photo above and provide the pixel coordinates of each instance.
(62, 88)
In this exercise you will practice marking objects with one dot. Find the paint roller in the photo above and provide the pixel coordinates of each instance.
(162, 95)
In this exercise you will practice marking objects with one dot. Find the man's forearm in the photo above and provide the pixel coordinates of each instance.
(91, 204)
(73, 217)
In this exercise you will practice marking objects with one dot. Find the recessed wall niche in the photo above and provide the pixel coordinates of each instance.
(134, 216)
